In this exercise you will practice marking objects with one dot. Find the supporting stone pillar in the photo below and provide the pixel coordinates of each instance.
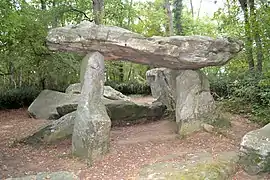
(162, 82)
(193, 101)
(91, 134)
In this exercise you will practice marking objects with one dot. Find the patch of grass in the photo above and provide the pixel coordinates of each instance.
(210, 170)
(255, 112)
(219, 119)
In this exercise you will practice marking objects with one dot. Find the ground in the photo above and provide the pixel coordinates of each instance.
(131, 148)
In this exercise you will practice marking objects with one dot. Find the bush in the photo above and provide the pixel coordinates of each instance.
(17, 98)
(130, 87)
(247, 93)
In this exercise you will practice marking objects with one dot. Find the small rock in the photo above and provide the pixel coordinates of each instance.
(5, 168)
(208, 128)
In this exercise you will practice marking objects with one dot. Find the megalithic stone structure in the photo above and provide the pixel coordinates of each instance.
(185, 53)
(91, 134)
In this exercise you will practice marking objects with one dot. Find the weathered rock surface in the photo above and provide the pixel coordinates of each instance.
(56, 130)
(112, 94)
(121, 113)
(196, 167)
(109, 92)
(53, 105)
(74, 88)
(91, 133)
(255, 151)
(175, 52)
(127, 112)
(162, 82)
(61, 175)
(193, 101)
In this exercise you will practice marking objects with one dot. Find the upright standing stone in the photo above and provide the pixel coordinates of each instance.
(92, 125)
(193, 101)
(162, 82)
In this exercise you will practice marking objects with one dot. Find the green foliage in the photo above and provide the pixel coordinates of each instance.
(131, 87)
(17, 98)
(246, 93)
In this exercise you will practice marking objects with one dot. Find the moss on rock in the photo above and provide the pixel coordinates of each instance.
(198, 166)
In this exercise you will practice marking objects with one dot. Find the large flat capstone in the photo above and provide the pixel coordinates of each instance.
(175, 52)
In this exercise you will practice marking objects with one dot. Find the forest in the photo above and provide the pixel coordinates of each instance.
(27, 66)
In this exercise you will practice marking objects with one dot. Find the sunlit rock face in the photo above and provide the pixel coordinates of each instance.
(175, 52)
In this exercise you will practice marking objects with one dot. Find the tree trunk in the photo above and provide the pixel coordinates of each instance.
(121, 72)
(178, 7)
(192, 9)
(43, 4)
(55, 19)
(98, 11)
(129, 72)
(11, 72)
(257, 37)
(129, 14)
(199, 10)
(170, 18)
(20, 77)
(42, 83)
(249, 40)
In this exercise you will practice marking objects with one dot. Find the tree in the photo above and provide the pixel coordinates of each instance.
(170, 18)
(98, 11)
(248, 40)
(256, 34)
(178, 8)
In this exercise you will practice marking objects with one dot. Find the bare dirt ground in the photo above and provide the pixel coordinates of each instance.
(131, 148)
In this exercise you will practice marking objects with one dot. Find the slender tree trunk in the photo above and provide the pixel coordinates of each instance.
(192, 9)
(178, 7)
(257, 37)
(4, 78)
(129, 72)
(129, 13)
(98, 11)
(11, 72)
(42, 83)
(249, 40)
(55, 19)
(170, 18)
(228, 4)
(199, 10)
(43, 4)
(121, 72)
(20, 77)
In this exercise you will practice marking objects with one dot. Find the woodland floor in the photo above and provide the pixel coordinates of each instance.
(131, 148)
